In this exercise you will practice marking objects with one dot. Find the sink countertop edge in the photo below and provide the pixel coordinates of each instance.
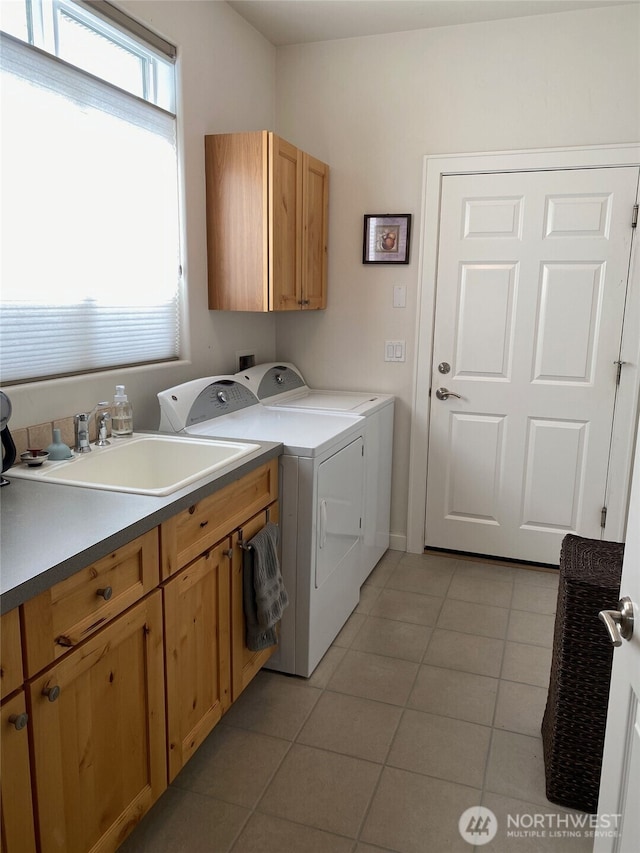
(44, 542)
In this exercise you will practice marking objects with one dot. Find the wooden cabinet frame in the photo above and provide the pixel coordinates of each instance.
(267, 224)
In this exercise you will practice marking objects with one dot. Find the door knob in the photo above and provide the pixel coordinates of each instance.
(444, 394)
(619, 623)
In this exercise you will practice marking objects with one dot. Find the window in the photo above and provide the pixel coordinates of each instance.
(90, 228)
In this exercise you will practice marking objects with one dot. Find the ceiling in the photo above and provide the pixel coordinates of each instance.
(296, 21)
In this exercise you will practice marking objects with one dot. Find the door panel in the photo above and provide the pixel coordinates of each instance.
(530, 299)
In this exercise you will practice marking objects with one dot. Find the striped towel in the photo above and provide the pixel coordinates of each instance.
(264, 595)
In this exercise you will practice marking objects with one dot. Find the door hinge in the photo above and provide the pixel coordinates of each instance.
(634, 217)
(603, 517)
(619, 370)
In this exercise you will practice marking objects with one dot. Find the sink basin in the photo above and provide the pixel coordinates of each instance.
(143, 464)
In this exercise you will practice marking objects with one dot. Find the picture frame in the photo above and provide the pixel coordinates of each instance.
(386, 238)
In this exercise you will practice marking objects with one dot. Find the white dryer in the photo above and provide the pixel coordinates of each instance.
(322, 477)
(281, 385)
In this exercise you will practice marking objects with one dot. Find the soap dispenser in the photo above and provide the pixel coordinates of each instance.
(122, 415)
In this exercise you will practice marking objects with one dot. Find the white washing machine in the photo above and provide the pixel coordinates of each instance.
(280, 385)
(322, 481)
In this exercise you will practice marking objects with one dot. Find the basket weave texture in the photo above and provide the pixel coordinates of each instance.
(575, 717)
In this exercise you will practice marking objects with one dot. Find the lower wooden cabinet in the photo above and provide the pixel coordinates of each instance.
(17, 827)
(99, 748)
(197, 609)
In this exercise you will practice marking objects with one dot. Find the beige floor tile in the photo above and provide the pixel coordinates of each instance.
(517, 833)
(374, 677)
(351, 725)
(273, 704)
(267, 834)
(327, 666)
(367, 848)
(441, 562)
(453, 650)
(425, 579)
(462, 695)
(480, 590)
(529, 664)
(520, 708)
(485, 570)
(184, 822)
(537, 578)
(383, 569)
(350, 629)
(368, 597)
(234, 765)
(536, 599)
(412, 813)
(322, 789)
(468, 618)
(516, 767)
(442, 747)
(533, 628)
(394, 639)
(407, 607)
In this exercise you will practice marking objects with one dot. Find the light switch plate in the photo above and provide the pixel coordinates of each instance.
(394, 350)
(399, 296)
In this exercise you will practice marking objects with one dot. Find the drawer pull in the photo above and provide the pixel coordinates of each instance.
(105, 593)
(228, 552)
(51, 693)
(19, 721)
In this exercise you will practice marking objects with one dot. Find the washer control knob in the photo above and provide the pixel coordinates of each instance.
(222, 397)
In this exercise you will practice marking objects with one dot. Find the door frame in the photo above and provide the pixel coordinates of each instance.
(436, 167)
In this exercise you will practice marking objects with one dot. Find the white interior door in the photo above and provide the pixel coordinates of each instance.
(530, 300)
(620, 780)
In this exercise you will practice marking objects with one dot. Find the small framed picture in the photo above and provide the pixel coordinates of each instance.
(386, 238)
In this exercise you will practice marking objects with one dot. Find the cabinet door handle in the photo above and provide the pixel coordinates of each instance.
(51, 693)
(19, 721)
(105, 593)
(228, 552)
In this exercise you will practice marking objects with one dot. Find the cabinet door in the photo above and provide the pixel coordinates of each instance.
(285, 225)
(196, 606)
(99, 748)
(237, 221)
(244, 662)
(10, 653)
(17, 828)
(314, 233)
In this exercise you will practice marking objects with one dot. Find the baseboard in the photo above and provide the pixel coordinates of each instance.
(398, 541)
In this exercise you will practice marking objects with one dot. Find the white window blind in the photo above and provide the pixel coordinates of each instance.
(90, 229)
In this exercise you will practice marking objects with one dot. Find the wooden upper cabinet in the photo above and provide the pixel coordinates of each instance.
(267, 213)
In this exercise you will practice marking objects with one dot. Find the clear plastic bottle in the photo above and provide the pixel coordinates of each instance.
(122, 415)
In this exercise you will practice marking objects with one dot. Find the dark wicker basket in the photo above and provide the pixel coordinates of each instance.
(575, 717)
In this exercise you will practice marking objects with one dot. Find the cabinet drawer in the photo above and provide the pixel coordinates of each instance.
(191, 532)
(72, 610)
(10, 653)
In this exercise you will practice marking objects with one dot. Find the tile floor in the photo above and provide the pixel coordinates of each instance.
(429, 702)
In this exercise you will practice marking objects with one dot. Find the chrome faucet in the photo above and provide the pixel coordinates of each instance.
(81, 424)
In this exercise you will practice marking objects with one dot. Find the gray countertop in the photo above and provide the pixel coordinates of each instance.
(49, 531)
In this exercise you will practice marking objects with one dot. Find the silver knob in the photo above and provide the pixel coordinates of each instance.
(105, 593)
(19, 721)
(444, 394)
(222, 397)
(51, 693)
(619, 623)
(444, 367)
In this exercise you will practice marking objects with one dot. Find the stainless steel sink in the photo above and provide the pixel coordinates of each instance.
(143, 464)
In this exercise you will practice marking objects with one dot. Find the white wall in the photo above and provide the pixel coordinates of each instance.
(227, 80)
(373, 107)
